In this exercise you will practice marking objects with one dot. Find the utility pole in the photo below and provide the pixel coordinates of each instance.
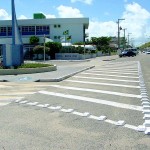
(124, 44)
(119, 32)
(129, 39)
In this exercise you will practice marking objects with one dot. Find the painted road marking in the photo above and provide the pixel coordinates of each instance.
(6, 101)
(118, 70)
(113, 72)
(99, 118)
(119, 80)
(93, 100)
(100, 83)
(20, 93)
(98, 74)
(96, 91)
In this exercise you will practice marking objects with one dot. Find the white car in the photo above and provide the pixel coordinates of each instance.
(148, 52)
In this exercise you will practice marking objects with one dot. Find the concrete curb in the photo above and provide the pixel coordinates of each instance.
(64, 77)
(27, 71)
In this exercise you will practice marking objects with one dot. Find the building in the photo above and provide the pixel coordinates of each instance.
(39, 26)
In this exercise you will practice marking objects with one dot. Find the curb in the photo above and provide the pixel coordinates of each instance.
(64, 77)
(27, 70)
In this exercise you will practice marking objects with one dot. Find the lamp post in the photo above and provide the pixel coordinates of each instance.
(129, 39)
(119, 32)
(124, 44)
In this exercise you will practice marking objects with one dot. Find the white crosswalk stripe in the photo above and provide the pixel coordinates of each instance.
(93, 100)
(108, 84)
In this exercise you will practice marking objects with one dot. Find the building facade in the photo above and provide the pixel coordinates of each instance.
(51, 28)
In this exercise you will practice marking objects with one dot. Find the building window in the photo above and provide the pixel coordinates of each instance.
(3, 29)
(55, 26)
(55, 37)
(59, 25)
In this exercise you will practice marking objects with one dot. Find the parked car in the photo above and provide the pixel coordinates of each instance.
(148, 52)
(1, 59)
(127, 53)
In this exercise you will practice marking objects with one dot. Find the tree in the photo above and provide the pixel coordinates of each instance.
(40, 49)
(54, 48)
(34, 40)
(102, 43)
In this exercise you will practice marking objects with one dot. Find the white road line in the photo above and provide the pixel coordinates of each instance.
(93, 100)
(4, 103)
(117, 67)
(97, 91)
(106, 79)
(118, 70)
(109, 84)
(100, 74)
(113, 72)
(23, 93)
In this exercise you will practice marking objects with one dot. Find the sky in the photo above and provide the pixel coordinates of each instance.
(103, 15)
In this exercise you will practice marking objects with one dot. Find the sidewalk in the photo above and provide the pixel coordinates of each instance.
(65, 69)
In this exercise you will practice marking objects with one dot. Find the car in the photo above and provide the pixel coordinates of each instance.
(148, 52)
(1, 59)
(127, 53)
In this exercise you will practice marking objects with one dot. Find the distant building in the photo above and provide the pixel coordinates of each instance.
(52, 28)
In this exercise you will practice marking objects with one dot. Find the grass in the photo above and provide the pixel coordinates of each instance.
(31, 65)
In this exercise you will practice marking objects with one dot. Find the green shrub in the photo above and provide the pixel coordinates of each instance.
(34, 65)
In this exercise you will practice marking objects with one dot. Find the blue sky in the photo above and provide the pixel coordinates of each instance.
(103, 14)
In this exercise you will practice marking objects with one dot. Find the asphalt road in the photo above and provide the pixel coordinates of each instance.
(97, 109)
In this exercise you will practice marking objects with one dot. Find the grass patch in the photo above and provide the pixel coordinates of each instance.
(30, 65)
(34, 65)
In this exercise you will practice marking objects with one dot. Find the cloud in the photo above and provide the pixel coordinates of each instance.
(68, 12)
(22, 17)
(50, 16)
(97, 29)
(136, 21)
(4, 15)
(89, 2)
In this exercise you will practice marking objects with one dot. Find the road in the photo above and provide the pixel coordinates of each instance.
(97, 109)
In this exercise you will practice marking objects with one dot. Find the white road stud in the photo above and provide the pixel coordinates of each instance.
(120, 123)
(86, 114)
(146, 111)
(32, 103)
(147, 123)
(67, 110)
(23, 102)
(145, 99)
(43, 105)
(146, 103)
(146, 107)
(147, 131)
(55, 107)
(145, 96)
(146, 116)
(101, 118)
(141, 128)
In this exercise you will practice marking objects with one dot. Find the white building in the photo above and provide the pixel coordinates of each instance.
(52, 28)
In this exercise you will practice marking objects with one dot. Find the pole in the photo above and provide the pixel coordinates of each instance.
(44, 47)
(13, 22)
(128, 39)
(119, 33)
(124, 38)
(84, 49)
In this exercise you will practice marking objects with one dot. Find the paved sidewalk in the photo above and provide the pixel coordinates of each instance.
(65, 69)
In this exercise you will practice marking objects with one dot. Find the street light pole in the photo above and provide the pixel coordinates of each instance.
(119, 32)
(124, 30)
(44, 48)
(129, 39)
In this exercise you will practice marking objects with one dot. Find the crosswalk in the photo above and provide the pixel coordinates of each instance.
(114, 93)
